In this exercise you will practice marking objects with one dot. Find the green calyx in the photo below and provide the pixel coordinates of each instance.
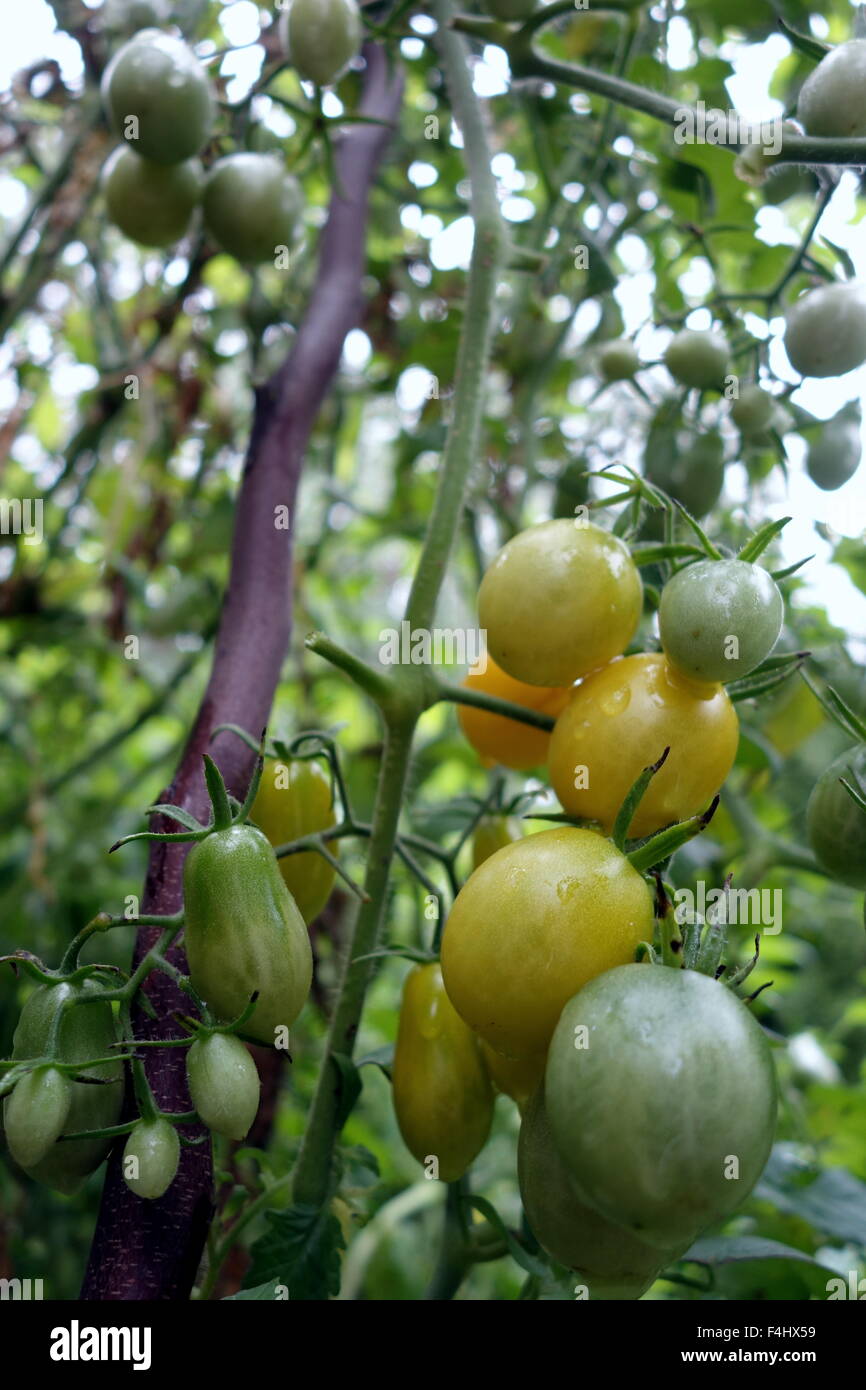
(226, 811)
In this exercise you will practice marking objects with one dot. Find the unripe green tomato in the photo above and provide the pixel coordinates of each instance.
(158, 98)
(693, 475)
(832, 100)
(834, 453)
(835, 824)
(151, 203)
(36, 1113)
(296, 799)
(719, 619)
(661, 1095)
(752, 412)
(224, 1084)
(699, 359)
(252, 207)
(618, 361)
(559, 600)
(126, 16)
(609, 1260)
(150, 1158)
(825, 333)
(321, 38)
(510, 9)
(492, 833)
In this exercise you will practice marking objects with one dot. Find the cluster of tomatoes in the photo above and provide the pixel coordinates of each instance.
(159, 100)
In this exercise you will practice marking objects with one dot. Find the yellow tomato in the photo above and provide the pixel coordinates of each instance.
(491, 833)
(295, 799)
(620, 720)
(507, 741)
(532, 925)
(517, 1077)
(443, 1099)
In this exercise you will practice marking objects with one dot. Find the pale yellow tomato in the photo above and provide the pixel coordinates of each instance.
(507, 741)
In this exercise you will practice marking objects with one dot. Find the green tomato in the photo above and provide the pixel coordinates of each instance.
(224, 1084)
(126, 16)
(610, 1261)
(150, 1158)
(252, 207)
(558, 600)
(834, 452)
(36, 1113)
(692, 473)
(151, 203)
(618, 361)
(698, 359)
(243, 931)
(719, 619)
(86, 1032)
(510, 9)
(753, 410)
(835, 824)
(158, 98)
(825, 332)
(321, 38)
(832, 100)
(493, 833)
(661, 1094)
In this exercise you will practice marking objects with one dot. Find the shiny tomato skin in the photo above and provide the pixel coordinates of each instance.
(507, 741)
(832, 100)
(558, 600)
(158, 80)
(533, 924)
(706, 605)
(619, 721)
(661, 1094)
(516, 1077)
(150, 1158)
(252, 206)
(835, 824)
(151, 203)
(443, 1098)
(825, 330)
(296, 799)
(321, 38)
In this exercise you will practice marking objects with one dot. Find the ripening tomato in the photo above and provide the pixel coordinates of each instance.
(619, 721)
(507, 741)
(517, 1077)
(158, 98)
(558, 600)
(698, 359)
(443, 1099)
(610, 1261)
(832, 100)
(530, 926)
(719, 619)
(321, 38)
(835, 824)
(661, 1095)
(492, 833)
(825, 330)
(296, 799)
(252, 206)
(151, 203)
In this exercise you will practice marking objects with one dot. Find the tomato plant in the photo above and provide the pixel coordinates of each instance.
(558, 600)
(322, 37)
(251, 206)
(158, 98)
(699, 359)
(825, 333)
(719, 619)
(831, 100)
(497, 739)
(151, 203)
(531, 925)
(294, 799)
(223, 1084)
(836, 825)
(693, 474)
(661, 1095)
(622, 718)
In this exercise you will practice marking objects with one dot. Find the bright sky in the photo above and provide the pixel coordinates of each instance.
(29, 32)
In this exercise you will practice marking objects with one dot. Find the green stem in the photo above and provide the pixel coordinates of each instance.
(454, 1254)
(460, 695)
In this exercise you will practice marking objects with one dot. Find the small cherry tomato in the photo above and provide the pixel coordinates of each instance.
(497, 739)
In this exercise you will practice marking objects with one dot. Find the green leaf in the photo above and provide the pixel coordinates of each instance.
(300, 1251)
(350, 1087)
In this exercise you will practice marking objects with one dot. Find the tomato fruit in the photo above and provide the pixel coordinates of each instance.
(752, 412)
(87, 1031)
(243, 931)
(619, 721)
(835, 824)
(517, 1077)
(252, 207)
(322, 37)
(296, 799)
(493, 833)
(497, 739)
(158, 98)
(618, 361)
(692, 473)
(661, 1095)
(699, 359)
(36, 1113)
(150, 1158)
(834, 453)
(443, 1099)
(610, 1261)
(719, 619)
(825, 330)
(558, 600)
(125, 16)
(533, 924)
(832, 100)
(224, 1084)
(151, 203)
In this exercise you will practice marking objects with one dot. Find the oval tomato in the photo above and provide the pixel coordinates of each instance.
(719, 619)
(252, 206)
(493, 833)
(158, 98)
(619, 721)
(835, 824)
(832, 100)
(610, 1261)
(517, 1077)
(443, 1099)
(532, 925)
(834, 453)
(558, 600)
(296, 799)
(691, 471)
(322, 37)
(661, 1094)
(150, 1158)
(36, 1114)
(152, 204)
(825, 330)
(497, 739)
(698, 359)
(224, 1084)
